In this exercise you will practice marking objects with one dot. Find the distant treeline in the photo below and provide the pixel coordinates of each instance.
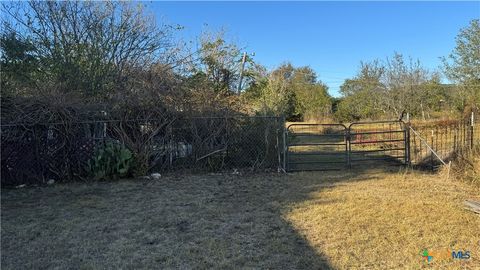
(114, 53)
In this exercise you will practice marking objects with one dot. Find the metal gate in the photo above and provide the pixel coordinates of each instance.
(380, 141)
(336, 146)
(316, 147)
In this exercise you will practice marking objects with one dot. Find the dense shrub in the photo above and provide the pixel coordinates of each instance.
(112, 160)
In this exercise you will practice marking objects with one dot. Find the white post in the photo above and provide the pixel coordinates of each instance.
(472, 123)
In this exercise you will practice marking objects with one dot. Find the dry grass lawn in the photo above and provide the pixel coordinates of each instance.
(370, 219)
(384, 221)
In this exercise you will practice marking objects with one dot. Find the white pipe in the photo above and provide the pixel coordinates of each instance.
(428, 146)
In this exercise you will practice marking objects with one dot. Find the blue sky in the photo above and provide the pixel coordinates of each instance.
(331, 37)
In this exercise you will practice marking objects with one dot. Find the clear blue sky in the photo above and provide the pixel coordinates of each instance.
(331, 37)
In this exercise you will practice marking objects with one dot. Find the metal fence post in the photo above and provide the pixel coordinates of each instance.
(407, 141)
(406, 136)
(285, 144)
(348, 147)
(472, 123)
(431, 151)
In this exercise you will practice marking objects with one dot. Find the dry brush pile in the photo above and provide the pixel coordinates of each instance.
(43, 140)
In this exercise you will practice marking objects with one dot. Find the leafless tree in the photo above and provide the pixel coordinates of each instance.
(89, 46)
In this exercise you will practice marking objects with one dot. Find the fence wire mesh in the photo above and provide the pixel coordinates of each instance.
(446, 138)
(64, 151)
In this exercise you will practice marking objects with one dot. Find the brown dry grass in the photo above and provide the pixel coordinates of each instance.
(371, 219)
(385, 220)
(466, 166)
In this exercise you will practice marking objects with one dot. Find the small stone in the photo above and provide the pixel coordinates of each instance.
(155, 176)
(51, 182)
(21, 186)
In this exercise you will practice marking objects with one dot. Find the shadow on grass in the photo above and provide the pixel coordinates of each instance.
(209, 221)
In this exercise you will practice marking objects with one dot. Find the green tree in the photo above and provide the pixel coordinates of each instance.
(463, 64)
(364, 95)
(403, 80)
(312, 98)
(432, 96)
(384, 89)
(18, 63)
(279, 96)
(219, 61)
(88, 47)
(293, 92)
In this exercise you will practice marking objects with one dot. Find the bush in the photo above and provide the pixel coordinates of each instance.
(112, 161)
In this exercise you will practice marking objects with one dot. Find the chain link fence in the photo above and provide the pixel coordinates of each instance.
(83, 150)
(63, 151)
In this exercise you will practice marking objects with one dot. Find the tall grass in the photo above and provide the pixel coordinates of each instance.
(466, 166)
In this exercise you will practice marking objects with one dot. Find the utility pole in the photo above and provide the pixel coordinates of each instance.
(244, 59)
